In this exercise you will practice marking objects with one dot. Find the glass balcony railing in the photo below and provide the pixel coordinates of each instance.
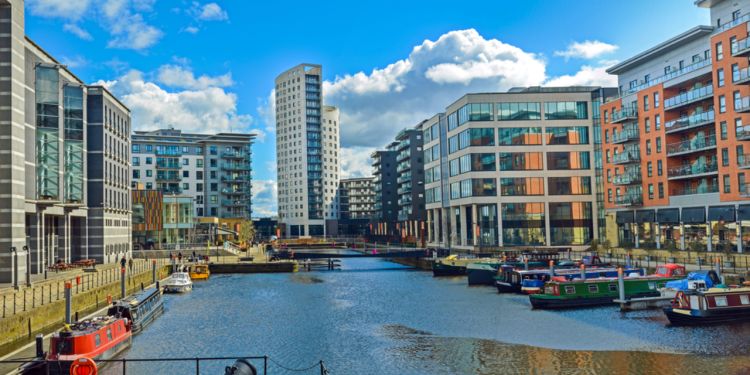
(628, 134)
(695, 169)
(625, 113)
(697, 189)
(689, 97)
(627, 178)
(629, 199)
(742, 105)
(671, 75)
(689, 122)
(691, 145)
(743, 133)
(739, 20)
(743, 161)
(234, 154)
(741, 47)
(626, 157)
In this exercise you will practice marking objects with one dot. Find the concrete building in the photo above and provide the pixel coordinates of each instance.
(513, 169)
(356, 205)
(307, 153)
(385, 209)
(214, 169)
(675, 141)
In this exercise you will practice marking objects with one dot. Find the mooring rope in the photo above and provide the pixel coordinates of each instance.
(317, 364)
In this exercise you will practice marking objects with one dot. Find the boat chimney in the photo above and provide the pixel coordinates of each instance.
(68, 301)
(39, 345)
(583, 272)
(621, 283)
(122, 282)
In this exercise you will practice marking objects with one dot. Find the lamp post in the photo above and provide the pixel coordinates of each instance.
(28, 265)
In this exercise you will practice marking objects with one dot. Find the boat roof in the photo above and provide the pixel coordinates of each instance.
(139, 297)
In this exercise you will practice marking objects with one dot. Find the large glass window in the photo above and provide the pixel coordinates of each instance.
(568, 160)
(570, 135)
(47, 134)
(483, 162)
(73, 156)
(487, 220)
(520, 136)
(570, 223)
(520, 186)
(518, 111)
(483, 187)
(520, 161)
(475, 112)
(576, 185)
(523, 224)
(565, 111)
(482, 137)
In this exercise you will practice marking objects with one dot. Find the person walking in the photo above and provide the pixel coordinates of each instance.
(122, 262)
(130, 265)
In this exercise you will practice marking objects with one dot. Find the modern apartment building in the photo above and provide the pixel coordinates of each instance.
(385, 209)
(356, 204)
(307, 153)
(675, 144)
(47, 172)
(513, 169)
(214, 169)
(410, 182)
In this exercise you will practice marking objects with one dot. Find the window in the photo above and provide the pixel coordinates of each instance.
(650, 191)
(741, 182)
(574, 135)
(519, 136)
(149, 173)
(727, 184)
(740, 150)
(648, 147)
(520, 186)
(657, 122)
(136, 173)
(647, 125)
(719, 51)
(659, 169)
(566, 110)
(745, 299)
(135, 148)
(735, 14)
(658, 145)
(97, 340)
(570, 289)
(576, 185)
(475, 112)
(738, 126)
(149, 185)
(568, 160)
(212, 150)
(612, 287)
(722, 104)
(199, 163)
(721, 301)
(656, 100)
(149, 161)
(724, 157)
(720, 77)
(723, 127)
(214, 186)
(185, 186)
(633, 84)
(645, 103)
(199, 188)
(735, 72)
(649, 169)
(185, 161)
(149, 148)
(199, 175)
(186, 174)
(593, 288)
(520, 161)
(647, 78)
(518, 111)
(737, 100)
(661, 190)
(136, 161)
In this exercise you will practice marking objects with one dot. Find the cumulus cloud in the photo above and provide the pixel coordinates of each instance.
(67, 9)
(77, 31)
(267, 112)
(588, 49)
(586, 76)
(191, 30)
(206, 109)
(211, 12)
(264, 198)
(181, 77)
(356, 162)
(73, 62)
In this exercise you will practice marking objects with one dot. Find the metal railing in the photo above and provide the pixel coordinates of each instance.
(689, 97)
(668, 76)
(742, 104)
(627, 134)
(740, 46)
(691, 145)
(693, 169)
(626, 178)
(624, 113)
(627, 156)
(688, 122)
(629, 199)
(700, 189)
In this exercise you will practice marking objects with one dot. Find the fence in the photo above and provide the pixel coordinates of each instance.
(699, 261)
(53, 290)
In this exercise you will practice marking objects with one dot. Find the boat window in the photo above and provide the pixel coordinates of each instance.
(720, 301)
(745, 299)
(612, 287)
(593, 288)
(661, 270)
(109, 334)
(97, 340)
(679, 272)
(570, 289)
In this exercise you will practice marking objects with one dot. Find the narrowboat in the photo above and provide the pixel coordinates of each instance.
(709, 277)
(178, 282)
(199, 271)
(560, 293)
(532, 281)
(484, 273)
(140, 309)
(455, 266)
(700, 305)
(98, 338)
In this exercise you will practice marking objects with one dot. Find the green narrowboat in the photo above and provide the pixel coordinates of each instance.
(560, 294)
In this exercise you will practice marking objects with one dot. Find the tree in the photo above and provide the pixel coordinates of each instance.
(246, 233)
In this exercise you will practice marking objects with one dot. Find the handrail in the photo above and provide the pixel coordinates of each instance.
(692, 144)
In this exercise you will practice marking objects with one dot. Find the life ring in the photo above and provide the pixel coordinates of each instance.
(83, 366)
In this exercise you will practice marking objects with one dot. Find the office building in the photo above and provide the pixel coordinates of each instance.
(410, 182)
(676, 139)
(356, 205)
(214, 169)
(384, 184)
(307, 153)
(513, 169)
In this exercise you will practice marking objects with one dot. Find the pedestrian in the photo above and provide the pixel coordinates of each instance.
(194, 256)
(179, 257)
(130, 264)
(122, 262)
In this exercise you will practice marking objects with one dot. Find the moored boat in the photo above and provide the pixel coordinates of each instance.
(199, 271)
(178, 282)
(455, 266)
(699, 305)
(140, 309)
(532, 281)
(481, 273)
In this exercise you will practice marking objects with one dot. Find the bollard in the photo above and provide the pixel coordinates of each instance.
(621, 283)
(39, 346)
(153, 271)
(551, 269)
(122, 282)
(68, 302)
(583, 272)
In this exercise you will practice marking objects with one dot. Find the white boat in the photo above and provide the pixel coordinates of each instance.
(178, 282)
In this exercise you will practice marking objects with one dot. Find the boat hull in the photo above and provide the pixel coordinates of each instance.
(62, 367)
(440, 269)
(680, 317)
(177, 288)
(481, 276)
(538, 301)
(503, 287)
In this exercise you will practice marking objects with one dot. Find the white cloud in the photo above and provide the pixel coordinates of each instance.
(180, 77)
(77, 31)
(212, 12)
(74, 62)
(588, 49)
(72, 10)
(267, 112)
(264, 198)
(208, 109)
(586, 76)
(356, 162)
(191, 30)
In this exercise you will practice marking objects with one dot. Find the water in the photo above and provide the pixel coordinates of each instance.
(378, 317)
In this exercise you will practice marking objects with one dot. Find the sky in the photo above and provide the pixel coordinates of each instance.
(209, 66)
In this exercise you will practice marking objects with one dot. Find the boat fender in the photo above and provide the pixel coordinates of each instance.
(241, 367)
(83, 366)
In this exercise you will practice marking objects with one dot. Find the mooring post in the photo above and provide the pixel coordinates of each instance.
(583, 272)
(122, 282)
(621, 283)
(153, 271)
(68, 302)
(39, 340)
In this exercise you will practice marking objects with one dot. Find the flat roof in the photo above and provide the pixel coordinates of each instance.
(696, 32)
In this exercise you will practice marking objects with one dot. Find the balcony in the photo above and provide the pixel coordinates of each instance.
(743, 133)
(167, 178)
(628, 134)
(234, 167)
(233, 192)
(743, 161)
(235, 179)
(627, 157)
(694, 170)
(742, 77)
(167, 165)
(694, 70)
(232, 203)
(742, 105)
(689, 97)
(234, 154)
(627, 179)
(404, 190)
(629, 200)
(689, 122)
(696, 144)
(741, 47)
(403, 155)
(624, 114)
(702, 188)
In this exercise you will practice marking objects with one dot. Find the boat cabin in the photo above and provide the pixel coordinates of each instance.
(670, 270)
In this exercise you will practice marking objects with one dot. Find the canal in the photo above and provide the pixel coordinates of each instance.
(378, 317)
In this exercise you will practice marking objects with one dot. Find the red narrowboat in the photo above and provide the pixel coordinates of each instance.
(97, 338)
(699, 305)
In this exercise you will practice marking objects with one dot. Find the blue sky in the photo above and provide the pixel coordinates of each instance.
(210, 65)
